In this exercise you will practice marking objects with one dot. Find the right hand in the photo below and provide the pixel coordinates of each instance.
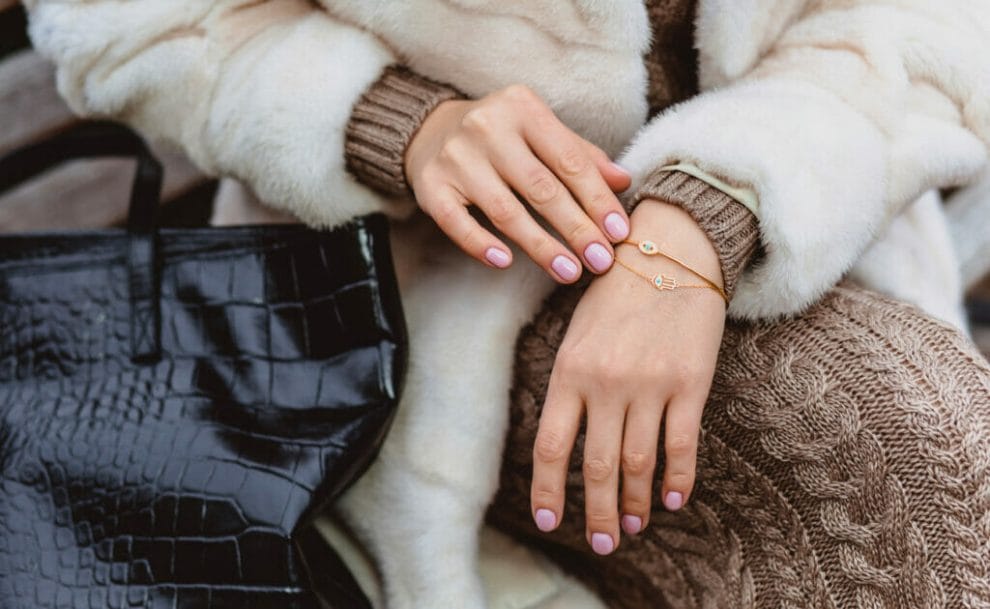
(481, 152)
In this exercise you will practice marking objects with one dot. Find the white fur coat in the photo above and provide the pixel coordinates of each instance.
(839, 114)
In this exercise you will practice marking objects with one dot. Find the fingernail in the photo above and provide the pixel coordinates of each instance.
(632, 524)
(673, 501)
(602, 543)
(497, 257)
(545, 520)
(565, 269)
(598, 257)
(621, 169)
(616, 226)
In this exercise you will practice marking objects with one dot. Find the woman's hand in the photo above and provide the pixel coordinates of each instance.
(483, 152)
(632, 357)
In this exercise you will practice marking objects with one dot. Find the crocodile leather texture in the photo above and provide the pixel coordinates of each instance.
(188, 479)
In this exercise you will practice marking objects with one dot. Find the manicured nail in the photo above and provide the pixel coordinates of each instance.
(621, 169)
(616, 226)
(497, 257)
(545, 520)
(565, 269)
(598, 257)
(632, 524)
(602, 543)
(673, 501)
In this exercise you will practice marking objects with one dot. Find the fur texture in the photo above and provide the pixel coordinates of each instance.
(838, 113)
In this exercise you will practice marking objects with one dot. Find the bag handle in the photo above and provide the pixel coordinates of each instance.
(96, 140)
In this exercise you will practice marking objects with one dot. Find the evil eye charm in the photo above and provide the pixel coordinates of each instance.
(662, 282)
(649, 248)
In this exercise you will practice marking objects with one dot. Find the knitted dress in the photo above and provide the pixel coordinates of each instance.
(845, 454)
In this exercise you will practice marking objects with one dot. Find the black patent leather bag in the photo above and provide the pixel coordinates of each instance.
(177, 404)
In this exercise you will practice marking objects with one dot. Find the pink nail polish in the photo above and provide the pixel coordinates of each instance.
(632, 524)
(497, 257)
(565, 268)
(616, 226)
(598, 257)
(546, 521)
(602, 544)
(673, 501)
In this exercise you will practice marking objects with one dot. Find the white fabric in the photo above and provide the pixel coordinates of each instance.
(837, 113)
(514, 577)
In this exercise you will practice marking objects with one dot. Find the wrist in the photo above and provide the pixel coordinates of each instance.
(676, 232)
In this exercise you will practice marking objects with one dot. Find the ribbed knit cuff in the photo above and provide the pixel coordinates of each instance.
(384, 121)
(730, 226)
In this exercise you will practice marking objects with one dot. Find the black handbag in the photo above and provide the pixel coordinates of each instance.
(176, 405)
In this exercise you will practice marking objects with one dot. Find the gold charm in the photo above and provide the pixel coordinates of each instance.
(662, 282)
(649, 248)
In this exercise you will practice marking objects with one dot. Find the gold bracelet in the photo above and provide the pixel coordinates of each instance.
(666, 282)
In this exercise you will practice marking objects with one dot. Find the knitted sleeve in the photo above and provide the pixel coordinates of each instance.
(383, 123)
(837, 116)
(730, 226)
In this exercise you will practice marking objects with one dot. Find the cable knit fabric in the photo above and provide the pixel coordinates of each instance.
(844, 462)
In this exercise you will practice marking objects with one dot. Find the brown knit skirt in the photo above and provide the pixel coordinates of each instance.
(844, 462)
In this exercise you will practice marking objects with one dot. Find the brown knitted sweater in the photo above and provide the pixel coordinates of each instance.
(845, 453)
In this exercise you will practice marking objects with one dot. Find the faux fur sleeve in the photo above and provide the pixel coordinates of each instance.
(838, 114)
(261, 91)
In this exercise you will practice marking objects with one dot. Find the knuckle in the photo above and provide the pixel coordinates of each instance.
(601, 517)
(550, 447)
(598, 469)
(519, 93)
(452, 151)
(635, 463)
(540, 246)
(601, 199)
(542, 188)
(679, 446)
(572, 161)
(477, 120)
(444, 215)
(501, 210)
(546, 495)
(680, 480)
(635, 505)
(610, 374)
(580, 232)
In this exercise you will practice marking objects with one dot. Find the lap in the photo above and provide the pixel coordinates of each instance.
(844, 461)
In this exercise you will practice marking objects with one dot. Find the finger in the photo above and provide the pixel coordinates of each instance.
(615, 175)
(559, 424)
(602, 447)
(448, 210)
(639, 460)
(486, 189)
(683, 425)
(567, 155)
(548, 197)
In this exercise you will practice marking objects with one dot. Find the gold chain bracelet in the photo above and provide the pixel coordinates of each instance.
(666, 282)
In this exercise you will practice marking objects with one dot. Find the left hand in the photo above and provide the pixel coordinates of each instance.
(632, 358)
